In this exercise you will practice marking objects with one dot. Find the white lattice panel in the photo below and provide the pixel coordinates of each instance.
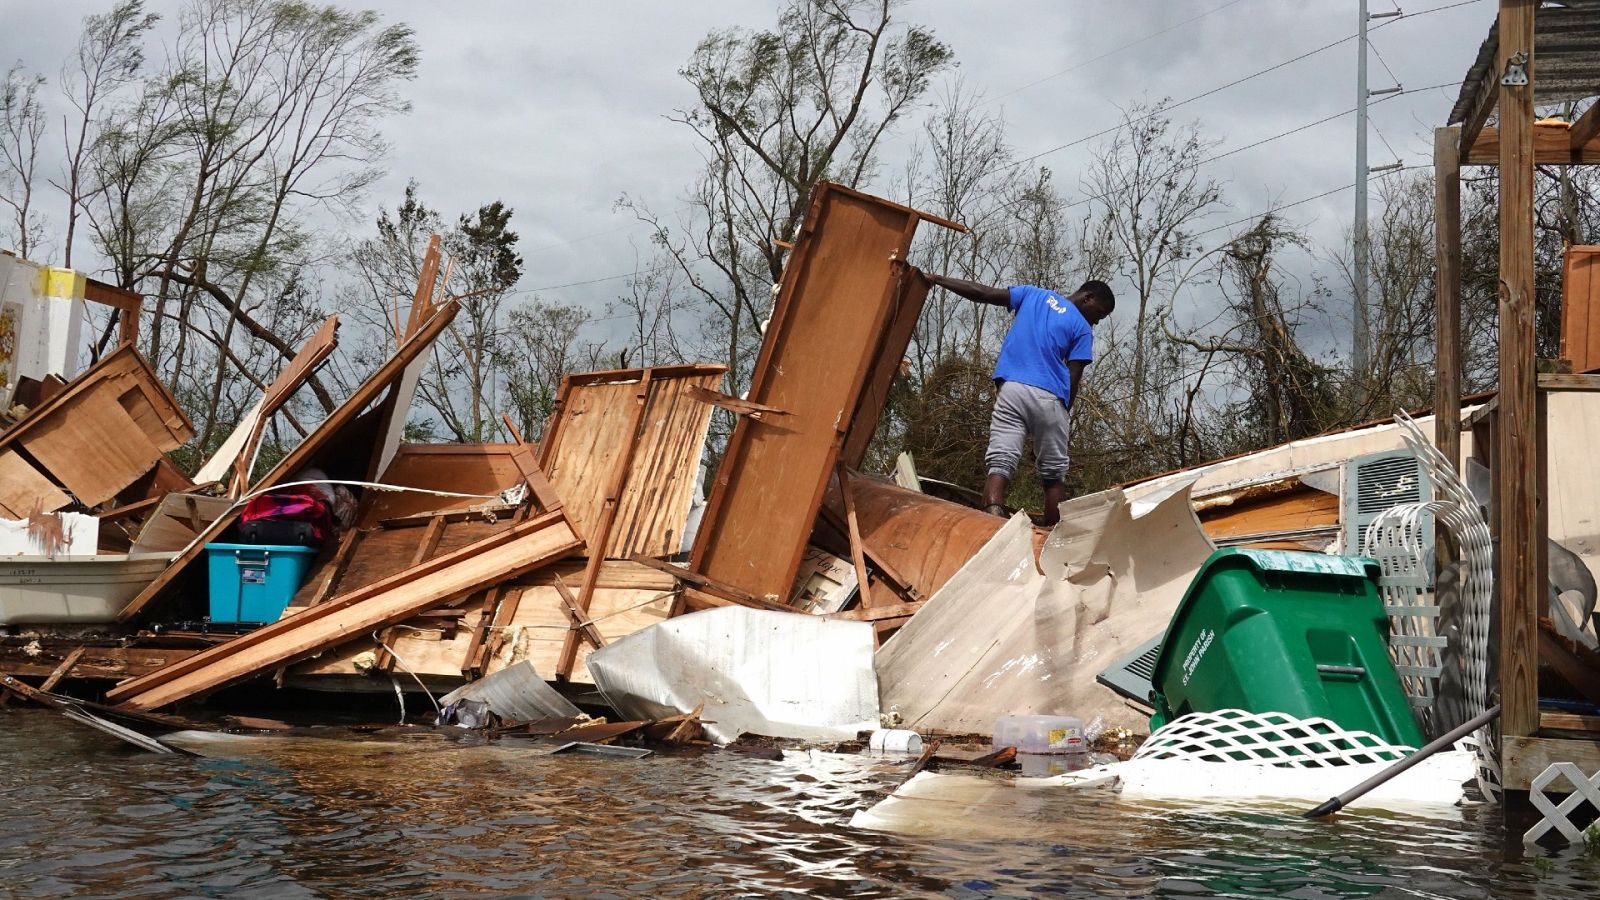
(1558, 816)
(1463, 520)
(1276, 739)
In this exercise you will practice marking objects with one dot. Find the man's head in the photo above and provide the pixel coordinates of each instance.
(1095, 300)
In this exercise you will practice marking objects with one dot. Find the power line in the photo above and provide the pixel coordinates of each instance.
(1304, 200)
(1238, 81)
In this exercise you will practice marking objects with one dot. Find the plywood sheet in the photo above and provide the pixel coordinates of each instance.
(461, 468)
(591, 431)
(92, 447)
(838, 297)
(23, 488)
(1580, 319)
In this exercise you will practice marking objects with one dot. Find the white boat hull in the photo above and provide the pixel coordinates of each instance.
(70, 590)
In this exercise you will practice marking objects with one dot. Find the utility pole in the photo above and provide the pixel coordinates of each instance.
(1361, 351)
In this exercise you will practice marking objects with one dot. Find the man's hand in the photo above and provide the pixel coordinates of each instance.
(972, 290)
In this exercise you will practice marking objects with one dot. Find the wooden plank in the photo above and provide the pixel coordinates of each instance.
(1521, 578)
(837, 299)
(1558, 721)
(1585, 130)
(876, 613)
(733, 404)
(126, 302)
(1576, 664)
(910, 296)
(24, 488)
(63, 670)
(526, 547)
(1447, 293)
(311, 355)
(1552, 146)
(92, 447)
(1580, 320)
(858, 552)
(579, 618)
(325, 435)
(1524, 758)
(1296, 510)
(112, 663)
(712, 587)
(601, 538)
(1474, 135)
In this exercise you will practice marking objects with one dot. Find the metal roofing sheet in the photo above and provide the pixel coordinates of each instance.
(1566, 56)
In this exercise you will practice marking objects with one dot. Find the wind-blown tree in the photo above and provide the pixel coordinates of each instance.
(776, 111)
(108, 59)
(265, 110)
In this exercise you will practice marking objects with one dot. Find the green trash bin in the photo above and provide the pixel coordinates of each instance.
(1284, 631)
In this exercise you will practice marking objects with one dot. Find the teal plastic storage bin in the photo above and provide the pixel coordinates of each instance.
(253, 583)
(1284, 631)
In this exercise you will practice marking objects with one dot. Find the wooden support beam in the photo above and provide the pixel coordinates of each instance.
(1524, 758)
(478, 646)
(1552, 146)
(579, 619)
(337, 566)
(1585, 130)
(1521, 576)
(598, 542)
(1447, 293)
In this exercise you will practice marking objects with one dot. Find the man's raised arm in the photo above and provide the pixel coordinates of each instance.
(972, 290)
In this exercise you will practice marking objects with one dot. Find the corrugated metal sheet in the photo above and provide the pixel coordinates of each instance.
(1566, 57)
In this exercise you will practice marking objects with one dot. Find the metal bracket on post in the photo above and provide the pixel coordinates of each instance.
(1516, 70)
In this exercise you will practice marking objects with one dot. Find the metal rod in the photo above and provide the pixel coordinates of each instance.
(1361, 332)
(1335, 804)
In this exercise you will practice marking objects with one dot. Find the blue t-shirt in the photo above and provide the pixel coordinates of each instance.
(1047, 332)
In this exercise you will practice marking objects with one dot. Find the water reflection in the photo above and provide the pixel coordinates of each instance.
(296, 817)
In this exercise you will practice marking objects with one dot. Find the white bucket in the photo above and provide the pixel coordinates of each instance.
(895, 740)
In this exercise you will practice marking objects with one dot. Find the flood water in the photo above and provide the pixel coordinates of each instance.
(424, 815)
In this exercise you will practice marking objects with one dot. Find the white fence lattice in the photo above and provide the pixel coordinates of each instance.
(1275, 739)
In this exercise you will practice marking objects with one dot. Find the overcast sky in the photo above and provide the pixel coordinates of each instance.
(558, 108)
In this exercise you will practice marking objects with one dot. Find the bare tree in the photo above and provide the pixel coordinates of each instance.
(109, 56)
(542, 345)
(1148, 184)
(21, 126)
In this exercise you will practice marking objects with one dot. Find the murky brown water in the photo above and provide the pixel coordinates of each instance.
(280, 817)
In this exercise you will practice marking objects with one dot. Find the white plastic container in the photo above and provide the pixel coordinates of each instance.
(1040, 734)
(895, 740)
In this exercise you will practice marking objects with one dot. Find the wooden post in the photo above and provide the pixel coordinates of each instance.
(1447, 290)
(1517, 464)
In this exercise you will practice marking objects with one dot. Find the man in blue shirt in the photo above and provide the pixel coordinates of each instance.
(1036, 380)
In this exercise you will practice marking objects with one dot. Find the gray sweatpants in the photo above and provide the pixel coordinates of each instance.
(1020, 410)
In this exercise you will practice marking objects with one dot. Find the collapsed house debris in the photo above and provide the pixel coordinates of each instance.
(531, 583)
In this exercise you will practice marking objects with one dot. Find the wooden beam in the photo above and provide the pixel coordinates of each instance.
(1552, 146)
(507, 554)
(1447, 293)
(1586, 129)
(858, 552)
(1524, 758)
(63, 670)
(1521, 578)
(1472, 127)
(580, 620)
